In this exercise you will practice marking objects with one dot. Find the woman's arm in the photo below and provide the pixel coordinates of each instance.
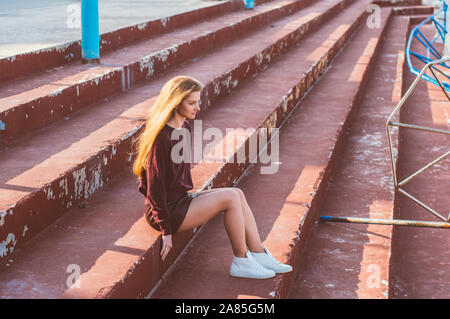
(157, 172)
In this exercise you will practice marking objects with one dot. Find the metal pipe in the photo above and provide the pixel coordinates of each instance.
(396, 222)
(90, 37)
(440, 84)
(419, 127)
(423, 205)
(440, 158)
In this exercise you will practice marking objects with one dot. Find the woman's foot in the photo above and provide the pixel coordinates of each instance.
(248, 267)
(269, 262)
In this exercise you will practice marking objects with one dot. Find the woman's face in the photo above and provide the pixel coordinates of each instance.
(189, 107)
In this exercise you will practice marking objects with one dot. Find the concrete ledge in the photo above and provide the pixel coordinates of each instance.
(414, 10)
(396, 3)
(419, 19)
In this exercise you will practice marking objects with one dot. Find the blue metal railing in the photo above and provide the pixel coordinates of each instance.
(90, 37)
(432, 53)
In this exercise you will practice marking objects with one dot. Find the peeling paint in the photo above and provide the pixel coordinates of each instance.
(57, 91)
(164, 21)
(80, 177)
(10, 239)
(3, 214)
(142, 26)
(49, 192)
(95, 184)
(130, 133)
(25, 229)
(63, 185)
(164, 54)
(147, 63)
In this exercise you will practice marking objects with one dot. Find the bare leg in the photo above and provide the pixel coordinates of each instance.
(206, 206)
(251, 229)
(252, 238)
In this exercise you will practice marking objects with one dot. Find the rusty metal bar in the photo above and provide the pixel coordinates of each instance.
(440, 84)
(423, 205)
(396, 222)
(440, 158)
(418, 127)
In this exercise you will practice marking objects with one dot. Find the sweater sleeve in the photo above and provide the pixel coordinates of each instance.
(156, 174)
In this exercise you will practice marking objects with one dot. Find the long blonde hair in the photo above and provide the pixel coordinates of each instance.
(172, 94)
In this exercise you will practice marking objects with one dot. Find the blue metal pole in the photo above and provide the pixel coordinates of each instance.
(90, 37)
(249, 4)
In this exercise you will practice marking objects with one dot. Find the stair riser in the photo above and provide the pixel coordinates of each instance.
(28, 63)
(396, 145)
(419, 19)
(225, 176)
(38, 113)
(384, 3)
(41, 209)
(414, 11)
(23, 118)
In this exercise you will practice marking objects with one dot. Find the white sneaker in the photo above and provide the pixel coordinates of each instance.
(249, 268)
(269, 262)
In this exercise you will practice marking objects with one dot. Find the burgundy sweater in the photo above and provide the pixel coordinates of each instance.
(165, 181)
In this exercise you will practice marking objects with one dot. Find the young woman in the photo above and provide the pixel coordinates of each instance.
(165, 182)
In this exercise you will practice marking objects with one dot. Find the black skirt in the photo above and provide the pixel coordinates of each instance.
(177, 210)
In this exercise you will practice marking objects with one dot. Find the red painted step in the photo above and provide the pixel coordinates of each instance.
(397, 3)
(31, 103)
(414, 10)
(310, 144)
(22, 65)
(77, 157)
(420, 267)
(124, 261)
(352, 260)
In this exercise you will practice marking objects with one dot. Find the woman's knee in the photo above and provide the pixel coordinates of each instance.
(240, 193)
(232, 197)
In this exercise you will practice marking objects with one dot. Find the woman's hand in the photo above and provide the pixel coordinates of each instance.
(166, 246)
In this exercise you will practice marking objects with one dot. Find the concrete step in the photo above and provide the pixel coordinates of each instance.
(414, 10)
(263, 102)
(76, 157)
(343, 260)
(398, 3)
(310, 144)
(420, 18)
(420, 256)
(31, 103)
(22, 65)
